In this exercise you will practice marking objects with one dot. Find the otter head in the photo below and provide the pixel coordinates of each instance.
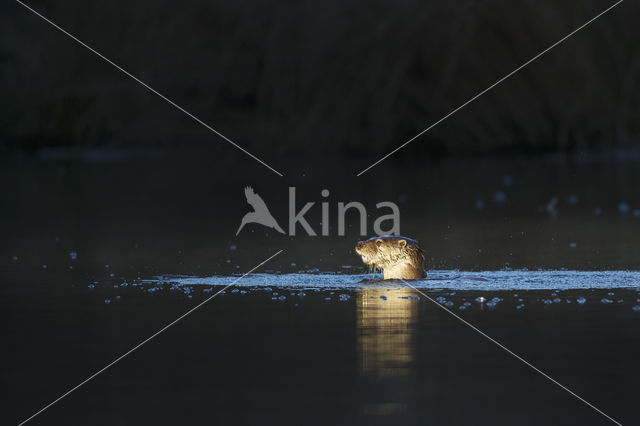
(397, 257)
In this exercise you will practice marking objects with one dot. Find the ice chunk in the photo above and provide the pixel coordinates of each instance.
(499, 197)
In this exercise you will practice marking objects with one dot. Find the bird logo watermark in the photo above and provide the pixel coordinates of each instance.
(262, 216)
(260, 213)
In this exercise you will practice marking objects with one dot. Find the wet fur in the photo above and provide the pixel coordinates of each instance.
(396, 257)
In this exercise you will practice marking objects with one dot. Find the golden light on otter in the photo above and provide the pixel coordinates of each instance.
(397, 257)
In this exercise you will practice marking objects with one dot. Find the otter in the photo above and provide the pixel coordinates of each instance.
(397, 257)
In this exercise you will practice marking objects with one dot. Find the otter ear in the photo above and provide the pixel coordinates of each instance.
(402, 243)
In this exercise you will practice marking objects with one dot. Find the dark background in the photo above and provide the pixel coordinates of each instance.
(335, 78)
(540, 172)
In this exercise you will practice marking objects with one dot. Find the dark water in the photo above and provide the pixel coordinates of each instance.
(316, 352)
(304, 341)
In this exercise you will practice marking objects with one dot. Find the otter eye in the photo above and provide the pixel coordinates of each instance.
(379, 242)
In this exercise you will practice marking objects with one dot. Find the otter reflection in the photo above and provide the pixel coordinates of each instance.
(386, 324)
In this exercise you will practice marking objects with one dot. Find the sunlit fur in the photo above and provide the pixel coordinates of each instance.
(396, 257)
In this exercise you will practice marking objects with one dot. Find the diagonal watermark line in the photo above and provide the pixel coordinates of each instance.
(146, 340)
(77, 40)
(518, 357)
(491, 87)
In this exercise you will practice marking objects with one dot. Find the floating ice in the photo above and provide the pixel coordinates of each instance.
(344, 297)
(438, 279)
(499, 197)
(623, 208)
(636, 308)
(73, 255)
(605, 300)
(107, 301)
(581, 300)
(493, 302)
(573, 199)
